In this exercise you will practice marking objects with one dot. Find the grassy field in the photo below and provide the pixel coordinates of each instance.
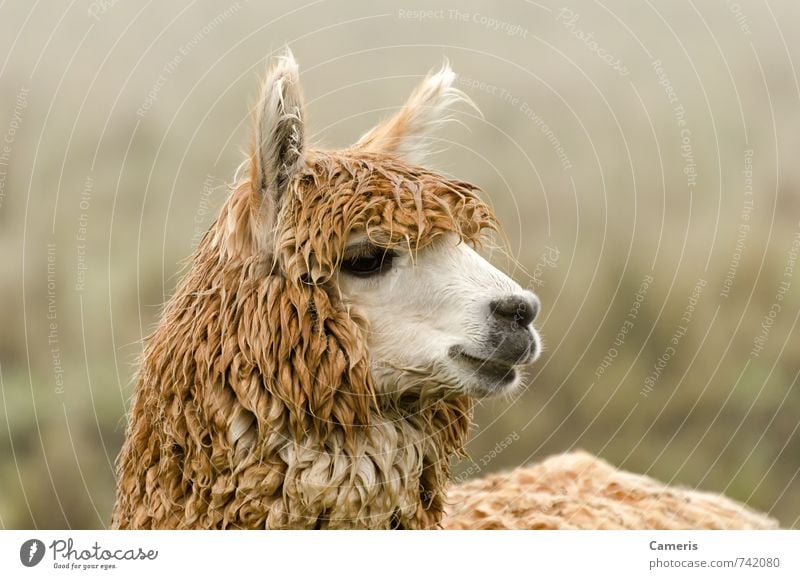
(641, 157)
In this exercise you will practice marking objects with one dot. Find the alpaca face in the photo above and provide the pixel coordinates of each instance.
(391, 243)
(442, 320)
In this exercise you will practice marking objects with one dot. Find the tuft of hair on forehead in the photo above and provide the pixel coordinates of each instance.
(407, 134)
(393, 203)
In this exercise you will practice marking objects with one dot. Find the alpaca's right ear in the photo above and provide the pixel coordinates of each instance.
(279, 129)
(408, 133)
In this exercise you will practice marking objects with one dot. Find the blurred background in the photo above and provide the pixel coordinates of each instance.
(643, 158)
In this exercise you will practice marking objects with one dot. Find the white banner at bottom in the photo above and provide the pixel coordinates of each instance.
(353, 554)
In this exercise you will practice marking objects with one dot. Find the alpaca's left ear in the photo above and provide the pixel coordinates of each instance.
(408, 133)
(279, 128)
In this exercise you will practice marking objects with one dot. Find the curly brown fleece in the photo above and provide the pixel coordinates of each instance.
(255, 406)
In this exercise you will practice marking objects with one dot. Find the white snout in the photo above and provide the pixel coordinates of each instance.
(445, 320)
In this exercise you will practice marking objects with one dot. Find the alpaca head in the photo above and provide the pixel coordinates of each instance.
(317, 364)
(390, 242)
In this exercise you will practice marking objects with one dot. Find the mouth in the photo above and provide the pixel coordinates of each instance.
(485, 370)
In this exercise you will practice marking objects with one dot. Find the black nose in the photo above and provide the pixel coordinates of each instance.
(520, 309)
(509, 332)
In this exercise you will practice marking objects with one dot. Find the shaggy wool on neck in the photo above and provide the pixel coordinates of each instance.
(255, 406)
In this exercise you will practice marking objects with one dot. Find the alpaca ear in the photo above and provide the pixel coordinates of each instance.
(407, 133)
(279, 128)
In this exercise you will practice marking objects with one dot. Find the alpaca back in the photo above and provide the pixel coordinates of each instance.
(579, 491)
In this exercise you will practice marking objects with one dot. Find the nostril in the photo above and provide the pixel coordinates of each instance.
(519, 308)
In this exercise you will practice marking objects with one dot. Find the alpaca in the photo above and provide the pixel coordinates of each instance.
(317, 365)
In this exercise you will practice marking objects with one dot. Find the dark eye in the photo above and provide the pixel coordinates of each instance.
(368, 262)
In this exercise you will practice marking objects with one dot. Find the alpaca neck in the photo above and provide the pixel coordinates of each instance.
(394, 476)
(242, 420)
